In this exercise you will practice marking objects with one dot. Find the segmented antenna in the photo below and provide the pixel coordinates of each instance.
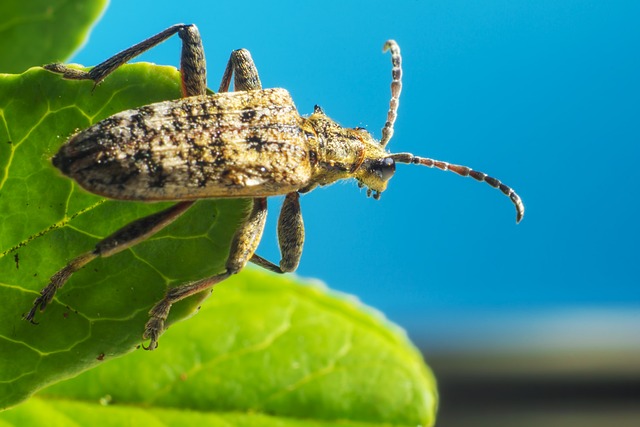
(396, 88)
(465, 171)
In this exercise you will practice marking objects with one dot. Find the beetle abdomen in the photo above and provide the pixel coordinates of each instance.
(236, 144)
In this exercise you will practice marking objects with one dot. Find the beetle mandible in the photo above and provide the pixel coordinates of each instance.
(248, 143)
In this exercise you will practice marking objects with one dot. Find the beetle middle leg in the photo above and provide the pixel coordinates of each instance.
(244, 71)
(244, 244)
(290, 224)
(247, 237)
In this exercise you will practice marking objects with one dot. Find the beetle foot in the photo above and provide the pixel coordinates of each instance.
(155, 326)
(40, 303)
(68, 72)
(152, 331)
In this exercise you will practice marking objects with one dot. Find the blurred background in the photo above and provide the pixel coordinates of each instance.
(529, 324)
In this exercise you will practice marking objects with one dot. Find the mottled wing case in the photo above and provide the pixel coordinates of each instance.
(234, 144)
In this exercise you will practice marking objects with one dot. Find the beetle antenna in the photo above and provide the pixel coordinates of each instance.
(465, 171)
(396, 88)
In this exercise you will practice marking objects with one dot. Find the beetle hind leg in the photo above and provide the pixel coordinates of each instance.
(56, 282)
(124, 238)
(192, 62)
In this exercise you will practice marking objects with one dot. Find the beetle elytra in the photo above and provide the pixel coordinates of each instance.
(249, 143)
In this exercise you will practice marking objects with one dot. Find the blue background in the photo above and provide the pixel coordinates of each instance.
(544, 95)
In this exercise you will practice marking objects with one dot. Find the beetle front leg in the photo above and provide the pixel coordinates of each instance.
(244, 244)
(290, 237)
(290, 233)
(124, 238)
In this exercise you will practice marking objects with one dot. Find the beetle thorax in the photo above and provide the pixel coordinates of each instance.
(342, 153)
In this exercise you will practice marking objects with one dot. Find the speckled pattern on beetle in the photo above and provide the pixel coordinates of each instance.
(249, 143)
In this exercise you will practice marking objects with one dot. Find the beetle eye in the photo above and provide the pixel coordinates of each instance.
(385, 168)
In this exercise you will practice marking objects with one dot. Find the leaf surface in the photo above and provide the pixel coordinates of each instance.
(45, 220)
(267, 344)
(37, 32)
(264, 350)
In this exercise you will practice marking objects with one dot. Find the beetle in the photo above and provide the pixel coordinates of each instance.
(248, 143)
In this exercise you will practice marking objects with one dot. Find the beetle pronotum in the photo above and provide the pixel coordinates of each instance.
(248, 143)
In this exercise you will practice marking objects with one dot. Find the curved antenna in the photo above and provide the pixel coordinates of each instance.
(465, 171)
(396, 88)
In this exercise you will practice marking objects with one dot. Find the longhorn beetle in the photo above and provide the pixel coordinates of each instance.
(248, 143)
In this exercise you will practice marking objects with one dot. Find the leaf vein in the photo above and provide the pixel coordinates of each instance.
(318, 373)
(262, 345)
(63, 222)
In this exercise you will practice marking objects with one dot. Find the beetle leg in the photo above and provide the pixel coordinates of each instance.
(245, 242)
(192, 63)
(124, 238)
(290, 237)
(266, 264)
(244, 70)
(290, 232)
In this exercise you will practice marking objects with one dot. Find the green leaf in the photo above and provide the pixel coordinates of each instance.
(37, 32)
(61, 413)
(261, 345)
(45, 220)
